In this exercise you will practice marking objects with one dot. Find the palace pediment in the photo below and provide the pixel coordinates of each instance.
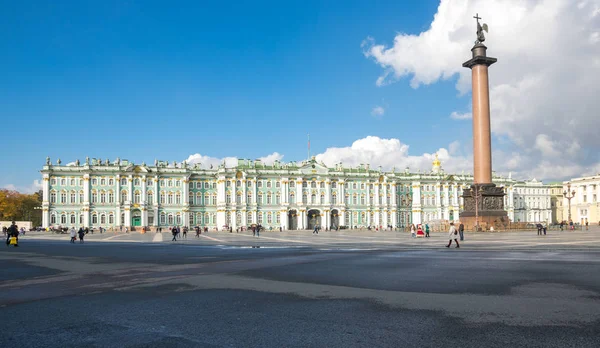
(313, 167)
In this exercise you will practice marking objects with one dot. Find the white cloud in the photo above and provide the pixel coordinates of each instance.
(390, 153)
(377, 111)
(270, 159)
(461, 116)
(543, 89)
(35, 186)
(207, 161)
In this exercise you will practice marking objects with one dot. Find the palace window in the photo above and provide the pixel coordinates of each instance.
(123, 181)
(347, 199)
(94, 181)
(111, 182)
(52, 197)
(63, 197)
(259, 198)
(191, 198)
(198, 218)
(72, 218)
(313, 199)
(269, 198)
(53, 219)
(111, 219)
(249, 218)
(198, 198)
(137, 197)
(334, 199)
(354, 200)
(227, 183)
(122, 218)
(163, 198)
(304, 184)
(354, 186)
(269, 218)
(214, 185)
(178, 219)
(259, 184)
(72, 182)
(94, 197)
(322, 199)
(103, 182)
(371, 200)
(178, 183)
(334, 184)
(103, 219)
(248, 183)
(136, 182)
(362, 186)
(322, 185)
(238, 218)
(53, 181)
(170, 198)
(304, 198)
(269, 184)
(248, 198)
(313, 184)
(63, 219)
(238, 183)
(277, 184)
(73, 196)
(150, 199)
(80, 218)
(260, 217)
(63, 182)
(170, 219)
(292, 184)
(80, 196)
(362, 200)
(178, 198)
(214, 200)
(228, 198)
(278, 199)
(123, 196)
(277, 219)
(102, 197)
(170, 183)
(292, 198)
(191, 222)
(94, 219)
(163, 218)
(206, 199)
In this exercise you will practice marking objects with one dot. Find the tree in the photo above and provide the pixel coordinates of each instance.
(20, 207)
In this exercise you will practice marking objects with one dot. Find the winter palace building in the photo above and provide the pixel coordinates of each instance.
(294, 195)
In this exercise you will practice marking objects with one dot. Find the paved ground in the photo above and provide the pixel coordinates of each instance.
(295, 289)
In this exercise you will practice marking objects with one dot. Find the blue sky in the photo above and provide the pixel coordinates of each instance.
(141, 80)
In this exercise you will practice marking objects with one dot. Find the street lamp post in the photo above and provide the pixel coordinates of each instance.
(476, 195)
(568, 194)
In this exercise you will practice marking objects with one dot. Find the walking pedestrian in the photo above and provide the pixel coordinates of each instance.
(185, 229)
(452, 236)
(197, 232)
(426, 230)
(13, 232)
(174, 231)
(413, 232)
(461, 231)
(81, 235)
(72, 233)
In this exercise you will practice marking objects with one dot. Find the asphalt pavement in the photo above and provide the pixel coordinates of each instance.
(296, 289)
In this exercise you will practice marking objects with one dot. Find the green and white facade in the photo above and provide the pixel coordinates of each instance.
(288, 195)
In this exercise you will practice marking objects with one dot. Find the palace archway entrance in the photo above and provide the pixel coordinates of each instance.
(335, 219)
(136, 218)
(314, 219)
(292, 220)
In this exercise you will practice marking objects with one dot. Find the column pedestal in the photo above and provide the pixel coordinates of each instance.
(489, 201)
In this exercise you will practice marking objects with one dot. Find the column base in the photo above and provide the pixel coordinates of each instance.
(490, 212)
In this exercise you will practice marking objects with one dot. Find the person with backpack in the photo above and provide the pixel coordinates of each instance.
(12, 232)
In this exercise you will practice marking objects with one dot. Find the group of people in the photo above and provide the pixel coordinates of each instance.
(81, 232)
(418, 231)
(454, 234)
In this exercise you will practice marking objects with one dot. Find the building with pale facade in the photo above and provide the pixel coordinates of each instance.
(585, 206)
(294, 195)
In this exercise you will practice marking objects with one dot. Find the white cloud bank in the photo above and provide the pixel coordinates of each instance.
(35, 186)
(544, 87)
(207, 161)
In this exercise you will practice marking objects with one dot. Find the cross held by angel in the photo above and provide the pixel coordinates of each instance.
(480, 29)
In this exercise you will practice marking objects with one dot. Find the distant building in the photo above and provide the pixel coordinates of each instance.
(295, 195)
(585, 204)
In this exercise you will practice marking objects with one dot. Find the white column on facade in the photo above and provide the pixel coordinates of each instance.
(299, 192)
(156, 194)
(130, 189)
(86, 188)
(46, 201)
(343, 218)
(416, 203)
(254, 216)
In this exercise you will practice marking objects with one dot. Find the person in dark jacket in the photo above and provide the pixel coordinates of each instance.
(81, 235)
(461, 231)
(13, 231)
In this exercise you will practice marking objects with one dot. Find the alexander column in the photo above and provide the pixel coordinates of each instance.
(483, 202)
